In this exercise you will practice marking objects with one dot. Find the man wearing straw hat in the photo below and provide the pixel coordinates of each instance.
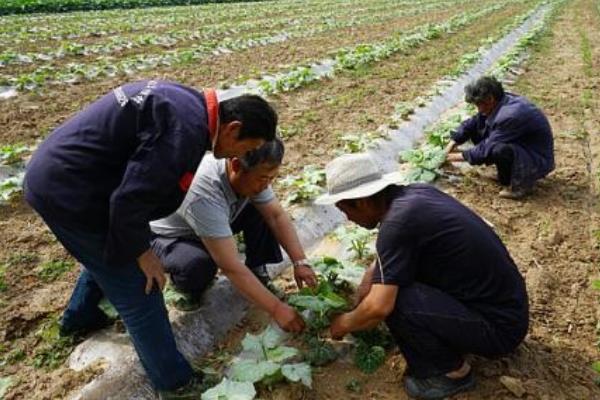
(443, 282)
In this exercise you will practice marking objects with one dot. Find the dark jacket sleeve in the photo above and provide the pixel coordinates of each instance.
(465, 130)
(505, 131)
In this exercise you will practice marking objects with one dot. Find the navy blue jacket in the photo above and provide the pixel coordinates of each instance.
(119, 163)
(514, 121)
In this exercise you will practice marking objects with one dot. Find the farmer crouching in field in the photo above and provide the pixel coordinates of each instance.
(227, 197)
(101, 177)
(443, 281)
(508, 131)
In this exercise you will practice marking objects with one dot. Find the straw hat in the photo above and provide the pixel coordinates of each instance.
(354, 176)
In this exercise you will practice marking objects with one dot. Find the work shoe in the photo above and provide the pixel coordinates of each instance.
(190, 391)
(263, 276)
(438, 387)
(80, 333)
(514, 194)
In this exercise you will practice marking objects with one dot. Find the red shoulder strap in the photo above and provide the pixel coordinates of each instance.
(212, 108)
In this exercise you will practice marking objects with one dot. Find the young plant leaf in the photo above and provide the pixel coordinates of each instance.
(252, 370)
(281, 353)
(369, 358)
(298, 372)
(230, 390)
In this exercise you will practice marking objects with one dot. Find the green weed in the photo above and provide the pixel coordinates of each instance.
(53, 348)
(52, 270)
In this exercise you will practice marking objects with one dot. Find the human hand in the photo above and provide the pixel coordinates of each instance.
(287, 318)
(153, 269)
(450, 146)
(337, 328)
(304, 274)
(454, 157)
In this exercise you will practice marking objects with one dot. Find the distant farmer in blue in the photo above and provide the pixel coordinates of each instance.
(508, 131)
(442, 281)
(101, 177)
(230, 196)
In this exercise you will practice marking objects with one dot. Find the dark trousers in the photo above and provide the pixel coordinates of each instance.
(190, 265)
(144, 315)
(503, 156)
(434, 331)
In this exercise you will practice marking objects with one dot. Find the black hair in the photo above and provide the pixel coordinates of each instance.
(271, 153)
(258, 118)
(481, 89)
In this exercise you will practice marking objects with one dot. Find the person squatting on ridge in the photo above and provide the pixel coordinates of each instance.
(228, 196)
(442, 281)
(509, 132)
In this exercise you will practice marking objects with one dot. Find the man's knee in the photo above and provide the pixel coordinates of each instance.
(193, 274)
(409, 300)
(502, 152)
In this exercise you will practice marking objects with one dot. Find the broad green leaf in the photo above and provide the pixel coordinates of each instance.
(312, 303)
(334, 300)
(427, 176)
(252, 343)
(596, 284)
(281, 353)
(298, 372)
(230, 390)
(252, 370)
(596, 367)
(272, 337)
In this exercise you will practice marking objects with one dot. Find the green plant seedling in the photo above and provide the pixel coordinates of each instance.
(305, 186)
(264, 359)
(12, 153)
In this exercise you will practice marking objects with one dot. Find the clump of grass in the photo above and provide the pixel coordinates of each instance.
(54, 269)
(54, 348)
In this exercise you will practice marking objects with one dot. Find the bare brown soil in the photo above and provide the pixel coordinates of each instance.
(551, 235)
(31, 116)
(262, 27)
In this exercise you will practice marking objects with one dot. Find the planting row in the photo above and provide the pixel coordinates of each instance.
(75, 72)
(33, 6)
(364, 54)
(216, 36)
(423, 164)
(91, 25)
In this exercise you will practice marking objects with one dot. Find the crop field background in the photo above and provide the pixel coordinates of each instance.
(383, 60)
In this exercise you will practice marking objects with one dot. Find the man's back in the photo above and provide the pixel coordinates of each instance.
(79, 166)
(431, 238)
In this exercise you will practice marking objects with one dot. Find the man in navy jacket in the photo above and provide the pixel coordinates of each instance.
(102, 176)
(508, 131)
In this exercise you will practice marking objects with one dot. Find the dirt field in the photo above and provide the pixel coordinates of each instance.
(553, 235)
